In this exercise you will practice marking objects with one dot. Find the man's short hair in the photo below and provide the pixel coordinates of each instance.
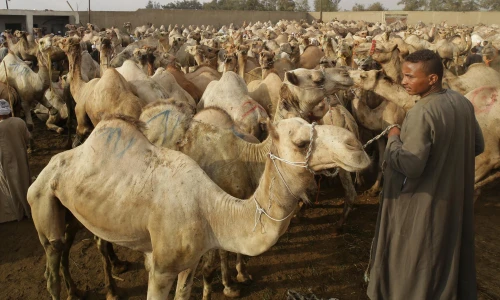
(430, 60)
(473, 50)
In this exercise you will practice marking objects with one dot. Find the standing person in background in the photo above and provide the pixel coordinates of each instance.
(472, 58)
(424, 237)
(15, 176)
(95, 54)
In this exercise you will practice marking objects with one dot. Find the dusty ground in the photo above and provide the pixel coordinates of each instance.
(310, 258)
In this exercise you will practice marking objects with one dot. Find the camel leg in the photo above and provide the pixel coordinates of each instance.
(82, 127)
(72, 227)
(483, 167)
(52, 110)
(185, 283)
(49, 219)
(208, 270)
(375, 189)
(51, 123)
(29, 123)
(109, 282)
(488, 179)
(241, 267)
(117, 266)
(350, 195)
(229, 290)
(160, 281)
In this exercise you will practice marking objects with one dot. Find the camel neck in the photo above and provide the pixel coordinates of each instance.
(395, 93)
(256, 155)
(241, 65)
(393, 67)
(75, 60)
(276, 195)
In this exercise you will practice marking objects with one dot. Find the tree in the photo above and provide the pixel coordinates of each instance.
(269, 4)
(328, 5)
(358, 7)
(302, 5)
(411, 5)
(153, 5)
(377, 6)
(288, 5)
(490, 4)
(184, 4)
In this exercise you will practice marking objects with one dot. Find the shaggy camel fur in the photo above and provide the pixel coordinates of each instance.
(110, 94)
(145, 224)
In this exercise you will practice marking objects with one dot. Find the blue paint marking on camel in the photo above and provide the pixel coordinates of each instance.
(19, 68)
(165, 114)
(112, 132)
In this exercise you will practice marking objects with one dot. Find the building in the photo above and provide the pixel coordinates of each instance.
(26, 20)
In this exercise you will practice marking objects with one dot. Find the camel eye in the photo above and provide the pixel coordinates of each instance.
(303, 144)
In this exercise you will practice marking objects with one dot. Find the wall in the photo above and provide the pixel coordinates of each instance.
(52, 23)
(12, 19)
(28, 16)
(466, 18)
(187, 17)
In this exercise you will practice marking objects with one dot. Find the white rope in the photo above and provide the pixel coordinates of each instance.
(259, 211)
(381, 134)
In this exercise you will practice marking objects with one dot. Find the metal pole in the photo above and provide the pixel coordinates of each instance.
(7, 4)
(321, 10)
(89, 11)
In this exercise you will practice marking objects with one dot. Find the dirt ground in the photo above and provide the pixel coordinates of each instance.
(311, 257)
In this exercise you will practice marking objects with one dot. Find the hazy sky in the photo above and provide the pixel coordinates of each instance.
(132, 5)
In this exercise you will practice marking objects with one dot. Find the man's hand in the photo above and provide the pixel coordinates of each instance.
(394, 131)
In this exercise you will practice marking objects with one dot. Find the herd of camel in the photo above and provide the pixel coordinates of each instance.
(216, 133)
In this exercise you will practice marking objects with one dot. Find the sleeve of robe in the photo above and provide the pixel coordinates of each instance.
(479, 140)
(409, 155)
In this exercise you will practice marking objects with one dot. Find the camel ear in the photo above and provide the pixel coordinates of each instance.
(271, 129)
(393, 47)
(363, 75)
(272, 55)
(292, 78)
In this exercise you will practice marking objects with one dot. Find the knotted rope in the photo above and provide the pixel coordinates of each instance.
(381, 134)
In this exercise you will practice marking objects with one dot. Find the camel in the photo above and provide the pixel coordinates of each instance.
(29, 85)
(477, 75)
(55, 96)
(156, 232)
(173, 90)
(106, 95)
(486, 102)
(311, 57)
(10, 94)
(231, 94)
(202, 76)
(185, 83)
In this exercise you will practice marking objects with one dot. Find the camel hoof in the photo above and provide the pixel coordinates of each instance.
(245, 279)
(119, 267)
(372, 193)
(60, 130)
(231, 292)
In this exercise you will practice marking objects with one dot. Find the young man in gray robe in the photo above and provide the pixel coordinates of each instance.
(424, 238)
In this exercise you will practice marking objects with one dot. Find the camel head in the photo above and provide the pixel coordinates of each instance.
(381, 54)
(266, 59)
(331, 146)
(303, 89)
(336, 79)
(367, 80)
(69, 45)
(230, 61)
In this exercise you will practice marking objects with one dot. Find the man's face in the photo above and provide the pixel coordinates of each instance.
(415, 80)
